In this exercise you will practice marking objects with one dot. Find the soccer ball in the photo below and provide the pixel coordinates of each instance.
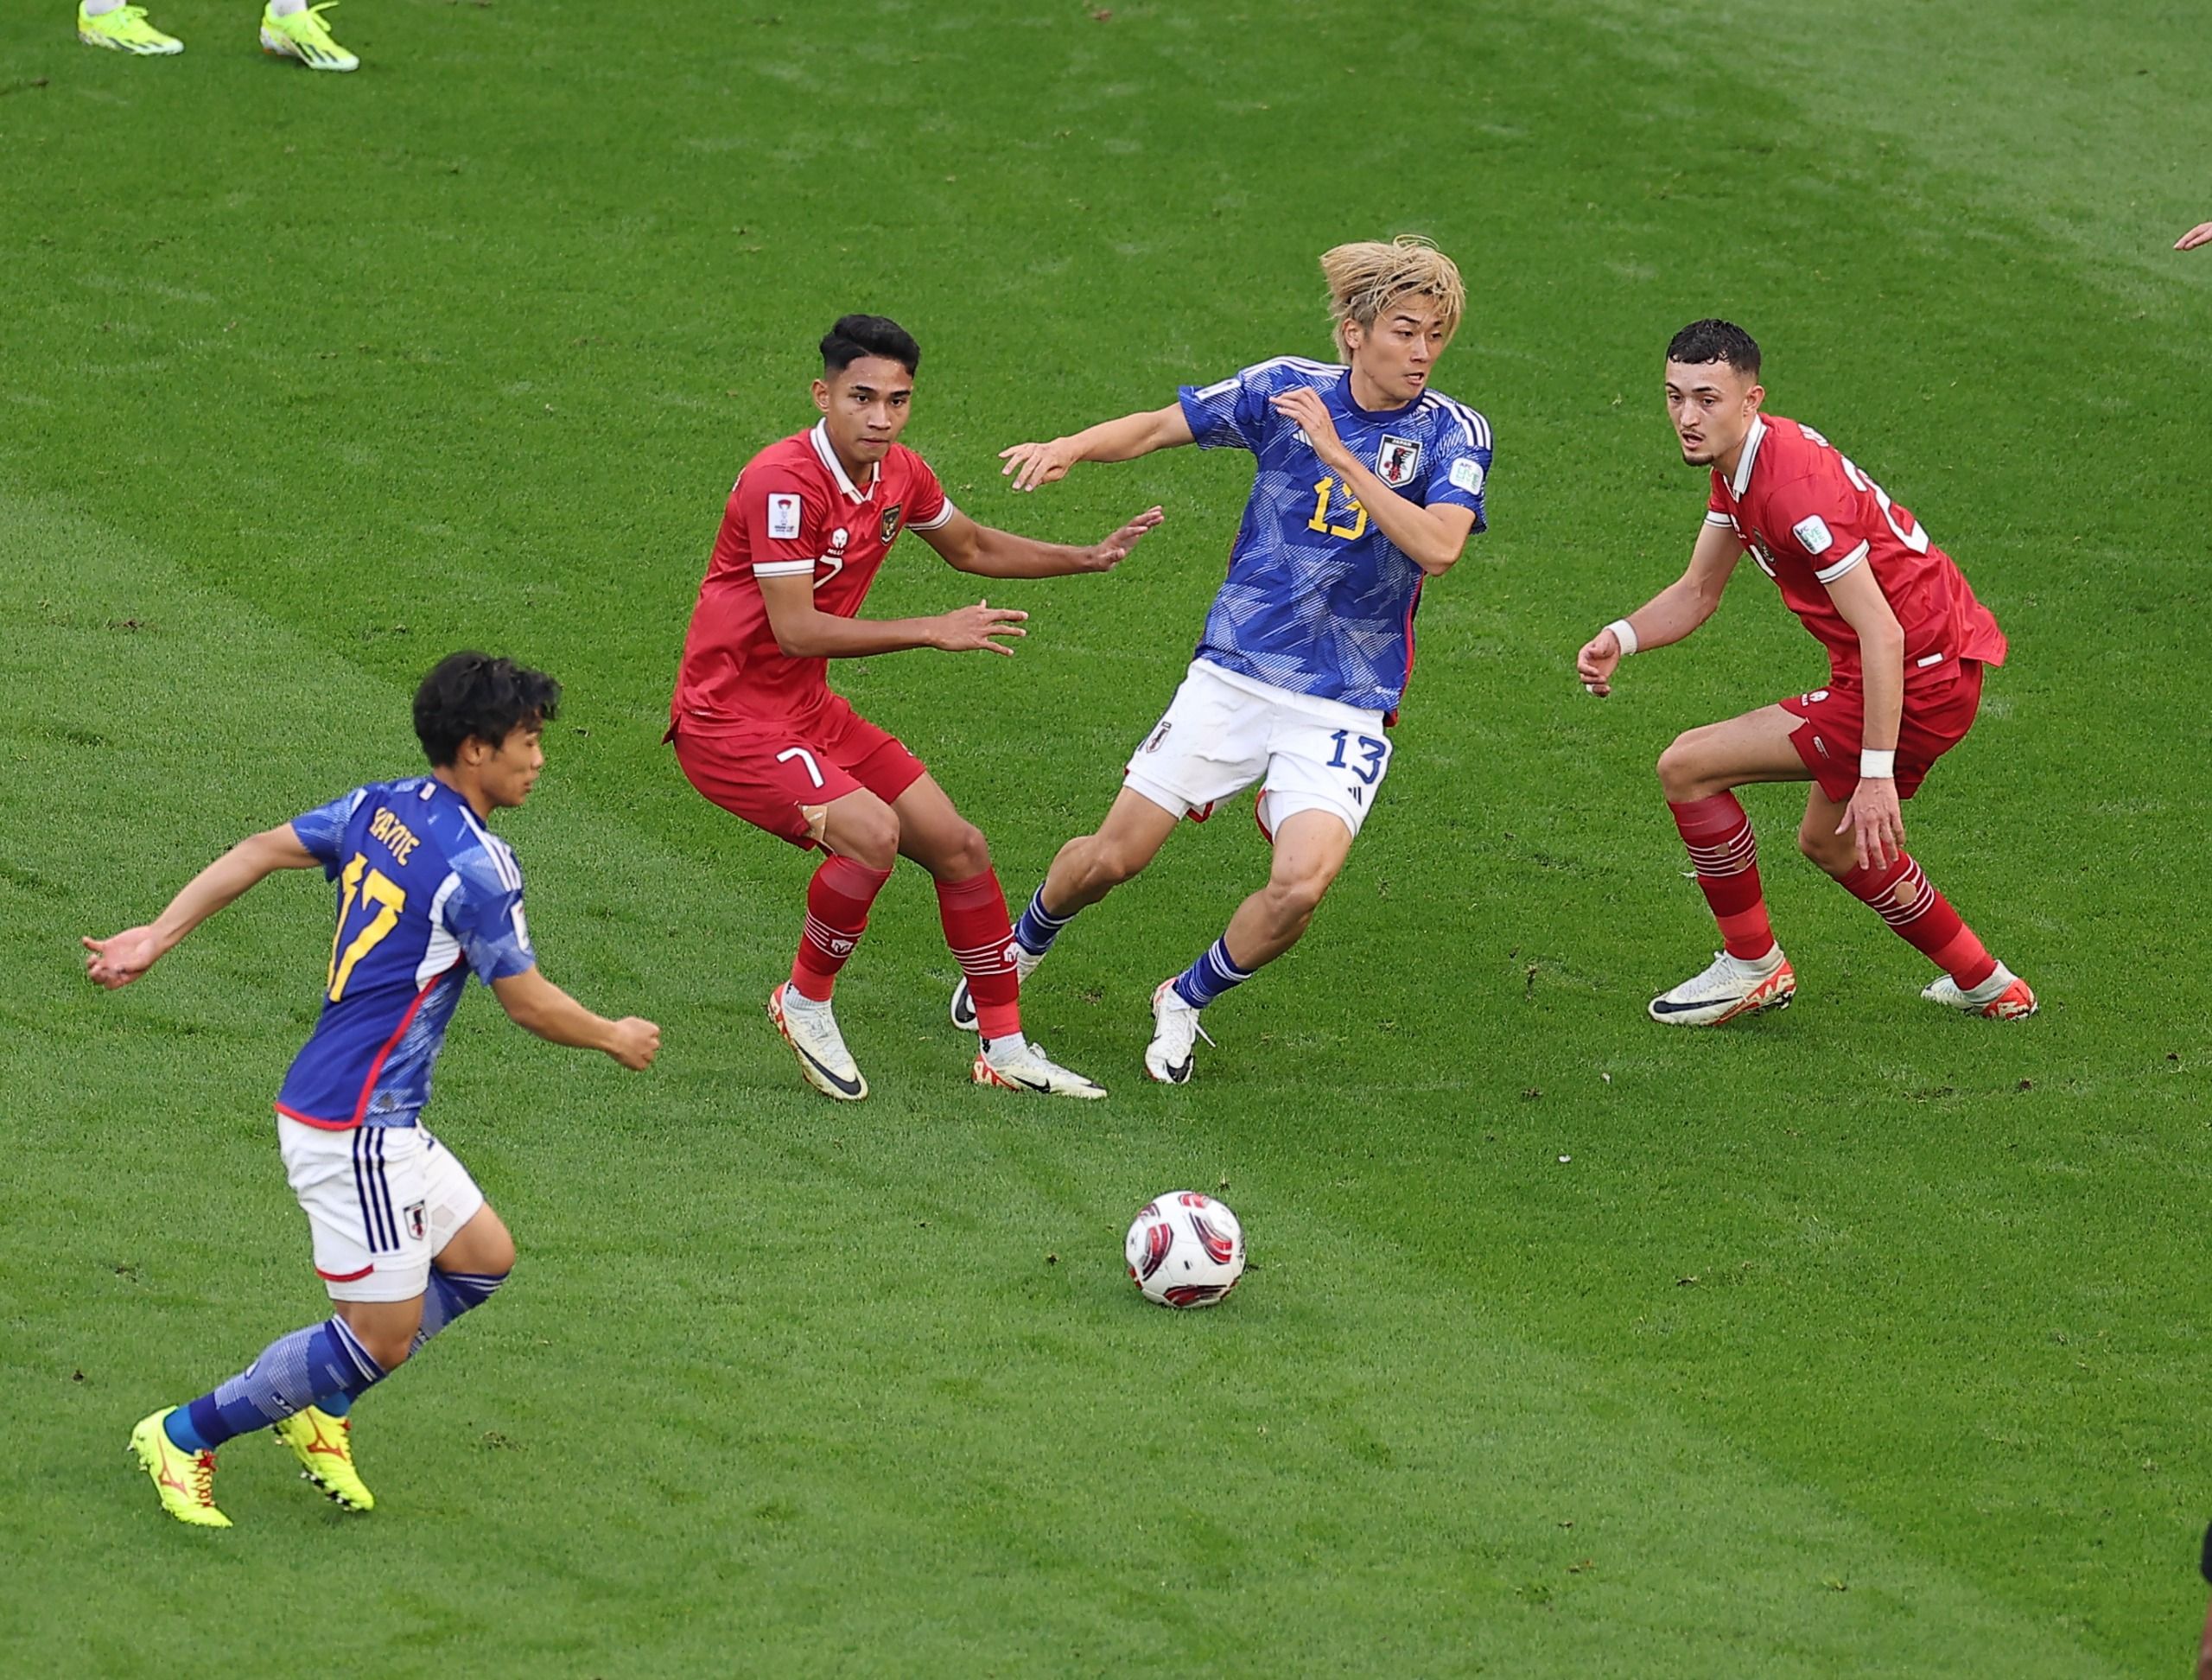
(1186, 1249)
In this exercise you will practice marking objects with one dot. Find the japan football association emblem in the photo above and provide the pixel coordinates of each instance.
(1397, 460)
(417, 1226)
(891, 521)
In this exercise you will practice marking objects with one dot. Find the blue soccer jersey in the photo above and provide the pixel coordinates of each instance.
(426, 893)
(1318, 599)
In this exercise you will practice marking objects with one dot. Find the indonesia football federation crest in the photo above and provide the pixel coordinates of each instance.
(891, 521)
(1398, 461)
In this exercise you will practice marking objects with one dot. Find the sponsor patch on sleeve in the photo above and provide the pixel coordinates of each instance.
(783, 518)
(1467, 474)
(1813, 532)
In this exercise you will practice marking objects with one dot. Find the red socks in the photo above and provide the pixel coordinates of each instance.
(836, 915)
(1924, 919)
(982, 938)
(1726, 858)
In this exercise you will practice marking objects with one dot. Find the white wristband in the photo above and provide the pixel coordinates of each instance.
(1624, 633)
(1878, 767)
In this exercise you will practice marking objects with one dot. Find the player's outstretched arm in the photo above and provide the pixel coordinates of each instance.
(121, 957)
(537, 1005)
(1125, 439)
(1669, 616)
(2199, 235)
(803, 631)
(986, 551)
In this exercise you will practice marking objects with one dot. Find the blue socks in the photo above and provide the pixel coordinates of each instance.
(323, 1365)
(1039, 926)
(291, 1374)
(450, 1295)
(1210, 976)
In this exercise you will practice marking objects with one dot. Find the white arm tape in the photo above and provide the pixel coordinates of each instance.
(1624, 633)
(1878, 767)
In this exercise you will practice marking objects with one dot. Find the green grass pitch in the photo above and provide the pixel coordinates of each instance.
(1865, 1341)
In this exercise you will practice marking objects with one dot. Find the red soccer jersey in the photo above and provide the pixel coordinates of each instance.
(1809, 516)
(793, 511)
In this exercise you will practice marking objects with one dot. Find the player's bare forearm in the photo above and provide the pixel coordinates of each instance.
(121, 957)
(1031, 465)
(537, 1005)
(1434, 538)
(813, 635)
(986, 551)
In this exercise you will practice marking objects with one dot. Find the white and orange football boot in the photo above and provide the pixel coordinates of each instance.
(2003, 996)
(1733, 986)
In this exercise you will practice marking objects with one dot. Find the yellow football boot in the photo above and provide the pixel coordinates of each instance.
(304, 36)
(185, 1481)
(324, 1446)
(125, 30)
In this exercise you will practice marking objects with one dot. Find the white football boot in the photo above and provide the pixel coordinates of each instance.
(1175, 1032)
(964, 1006)
(2003, 996)
(1026, 1067)
(811, 1031)
(1733, 986)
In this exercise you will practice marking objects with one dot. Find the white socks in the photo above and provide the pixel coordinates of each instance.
(101, 8)
(286, 8)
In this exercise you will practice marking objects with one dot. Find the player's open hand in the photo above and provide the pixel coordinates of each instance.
(1033, 464)
(1104, 556)
(636, 1041)
(121, 957)
(1304, 409)
(1876, 822)
(1597, 662)
(972, 629)
(2200, 234)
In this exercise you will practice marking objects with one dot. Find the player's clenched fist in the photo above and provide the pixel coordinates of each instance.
(1033, 464)
(636, 1042)
(971, 630)
(1596, 663)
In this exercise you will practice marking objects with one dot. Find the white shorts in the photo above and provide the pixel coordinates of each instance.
(1223, 732)
(381, 1202)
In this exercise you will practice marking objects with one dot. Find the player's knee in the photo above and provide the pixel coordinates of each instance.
(1114, 862)
(1291, 902)
(1679, 768)
(966, 856)
(869, 836)
(1833, 852)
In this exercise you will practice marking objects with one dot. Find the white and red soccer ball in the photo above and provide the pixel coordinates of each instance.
(1186, 1249)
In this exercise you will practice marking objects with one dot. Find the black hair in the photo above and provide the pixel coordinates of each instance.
(858, 336)
(1715, 340)
(474, 696)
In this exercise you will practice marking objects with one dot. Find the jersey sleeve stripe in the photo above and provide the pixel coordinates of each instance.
(1829, 574)
(1713, 516)
(781, 568)
(942, 520)
(443, 949)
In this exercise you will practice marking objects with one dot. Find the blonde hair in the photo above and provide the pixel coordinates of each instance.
(1367, 276)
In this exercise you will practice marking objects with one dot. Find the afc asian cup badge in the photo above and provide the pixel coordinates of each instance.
(1397, 460)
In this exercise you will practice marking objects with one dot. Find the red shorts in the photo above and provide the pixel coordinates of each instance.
(770, 770)
(1937, 714)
